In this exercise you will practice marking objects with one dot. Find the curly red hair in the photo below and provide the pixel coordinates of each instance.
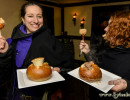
(119, 30)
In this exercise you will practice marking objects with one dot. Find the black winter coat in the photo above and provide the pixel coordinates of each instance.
(115, 60)
(44, 44)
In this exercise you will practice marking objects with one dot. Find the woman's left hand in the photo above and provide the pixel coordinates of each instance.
(56, 69)
(120, 85)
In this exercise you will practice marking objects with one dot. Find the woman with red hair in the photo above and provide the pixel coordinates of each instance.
(115, 57)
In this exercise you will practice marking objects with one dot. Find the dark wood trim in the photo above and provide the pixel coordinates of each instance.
(62, 19)
(77, 4)
(72, 37)
(49, 3)
(92, 2)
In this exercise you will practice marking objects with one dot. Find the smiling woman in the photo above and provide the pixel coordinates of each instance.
(32, 19)
(31, 39)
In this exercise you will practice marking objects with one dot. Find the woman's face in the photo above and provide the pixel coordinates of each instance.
(33, 18)
(106, 29)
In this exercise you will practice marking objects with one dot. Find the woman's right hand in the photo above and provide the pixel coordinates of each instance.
(3, 45)
(119, 85)
(84, 47)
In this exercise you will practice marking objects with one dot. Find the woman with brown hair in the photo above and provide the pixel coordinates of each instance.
(31, 39)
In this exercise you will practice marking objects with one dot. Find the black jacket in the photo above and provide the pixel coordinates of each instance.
(115, 60)
(44, 44)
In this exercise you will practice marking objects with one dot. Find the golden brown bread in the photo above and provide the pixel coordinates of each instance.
(90, 72)
(2, 23)
(39, 70)
(82, 31)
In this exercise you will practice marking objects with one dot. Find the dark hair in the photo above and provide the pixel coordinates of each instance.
(23, 8)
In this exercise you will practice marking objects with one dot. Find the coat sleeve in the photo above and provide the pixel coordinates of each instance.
(56, 53)
(128, 86)
(91, 56)
(5, 66)
(64, 56)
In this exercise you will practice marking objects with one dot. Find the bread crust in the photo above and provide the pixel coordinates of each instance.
(2, 23)
(90, 73)
(39, 73)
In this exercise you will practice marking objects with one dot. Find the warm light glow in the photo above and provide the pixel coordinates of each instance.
(82, 21)
(74, 16)
(74, 19)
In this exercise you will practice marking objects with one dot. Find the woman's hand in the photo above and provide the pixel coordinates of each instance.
(120, 85)
(84, 47)
(56, 69)
(3, 45)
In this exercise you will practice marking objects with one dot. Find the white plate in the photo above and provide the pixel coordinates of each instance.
(24, 82)
(102, 84)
